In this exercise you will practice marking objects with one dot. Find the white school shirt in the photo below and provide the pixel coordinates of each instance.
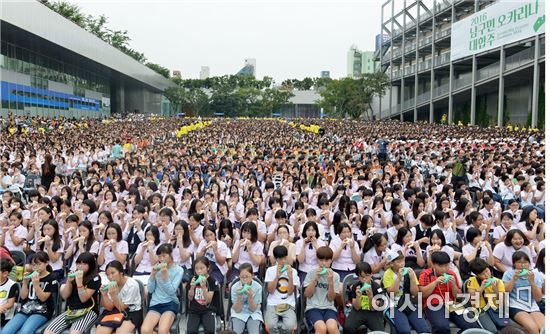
(468, 249)
(500, 231)
(209, 254)
(57, 265)
(177, 258)
(94, 250)
(517, 217)
(122, 248)
(408, 252)
(198, 233)
(529, 200)
(449, 233)
(392, 235)
(504, 254)
(487, 215)
(310, 257)
(378, 221)
(145, 265)
(541, 202)
(163, 235)
(345, 261)
(372, 258)
(20, 232)
(323, 232)
(92, 217)
(244, 256)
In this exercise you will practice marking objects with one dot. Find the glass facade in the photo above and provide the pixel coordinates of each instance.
(43, 68)
(39, 99)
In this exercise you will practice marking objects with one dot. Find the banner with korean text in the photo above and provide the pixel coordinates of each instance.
(504, 22)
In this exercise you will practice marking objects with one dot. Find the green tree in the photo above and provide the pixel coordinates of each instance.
(69, 11)
(159, 69)
(273, 99)
(352, 97)
(98, 26)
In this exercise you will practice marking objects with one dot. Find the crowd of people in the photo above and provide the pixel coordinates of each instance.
(267, 215)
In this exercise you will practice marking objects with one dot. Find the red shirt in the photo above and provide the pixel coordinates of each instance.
(427, 276)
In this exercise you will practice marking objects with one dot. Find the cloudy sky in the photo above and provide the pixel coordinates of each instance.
(288, 38)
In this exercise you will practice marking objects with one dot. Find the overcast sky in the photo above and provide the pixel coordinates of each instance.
(288, 38)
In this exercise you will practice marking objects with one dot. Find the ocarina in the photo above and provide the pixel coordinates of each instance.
(245, 287)
(108, 285)
(523, 272)
(199, 279)
(365, 287)
(324, 271)
(283, 269)
(490, 281)
(160, 266)
(29, 276)
(74, 274)
(447, 278)
(405, 271)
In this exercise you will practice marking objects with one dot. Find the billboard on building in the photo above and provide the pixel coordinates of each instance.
(505, 22)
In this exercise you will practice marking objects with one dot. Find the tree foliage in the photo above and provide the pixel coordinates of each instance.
(98, 26)
(349, 97)
(233, 95)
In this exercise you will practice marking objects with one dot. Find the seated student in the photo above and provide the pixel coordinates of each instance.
(308, 244)
(163, 284)
(346, 251)
(409, 248)
(85, 242)
(433, 281)
(525, 288)
(476, 247)
(246, 311)
(37, 303)
(14, 235)
(375, 250)
(134, 230)
(282, 280)
(121, 295)
(484, 288)
(515, 241)
(81, 293)
(215, 251)
(282, 239)
(201, 293)
(321, 285)
(146, 253)
(364, 312)
(506, 224)
(7, 292)
(402, 285)
(248, 249)
(112, 247)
